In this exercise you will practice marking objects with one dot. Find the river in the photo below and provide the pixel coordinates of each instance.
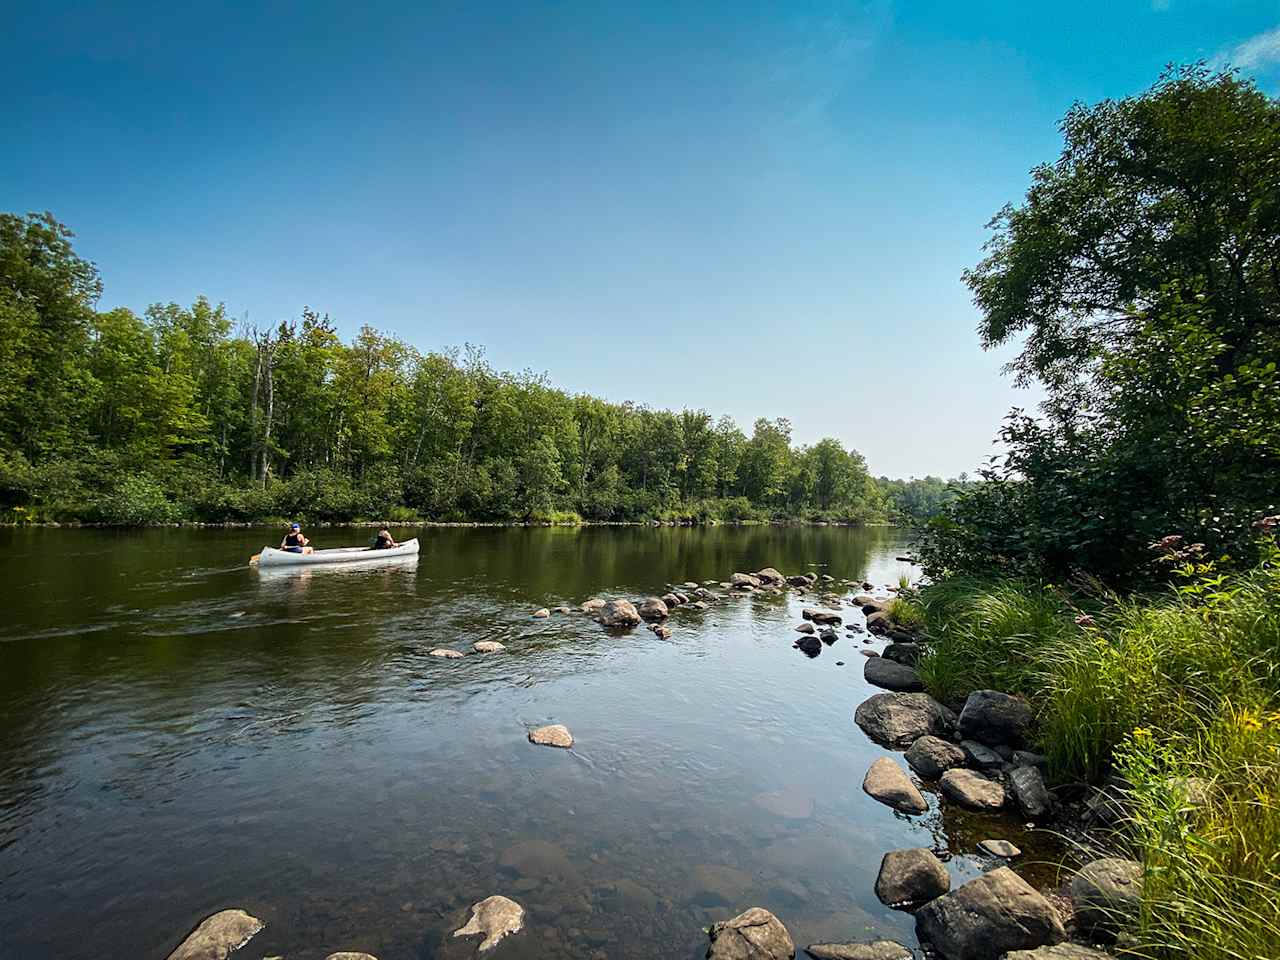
(181, 733)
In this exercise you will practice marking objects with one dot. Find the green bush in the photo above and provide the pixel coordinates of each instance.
(137, 501)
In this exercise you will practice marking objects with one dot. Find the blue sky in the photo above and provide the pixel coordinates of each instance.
(757, 209)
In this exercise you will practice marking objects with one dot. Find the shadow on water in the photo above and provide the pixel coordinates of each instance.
(181, 733)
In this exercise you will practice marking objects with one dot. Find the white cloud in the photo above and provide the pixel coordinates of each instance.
(1257, 53)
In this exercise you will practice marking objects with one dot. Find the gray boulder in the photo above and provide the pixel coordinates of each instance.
(618, 614)
(1025, 758)
(891, 675)
(874, 950)
(805, 627)
(931, 757)
(911, 877)
(1059, 951)
(218, 936)
(810, 645)
(755, 934)
(823, 617)
(980, 756)
(744, 581)
(992, 717)
(652, 608)
(971, 789)
(671, 600)
(770, 577)
(1028, 789)
(988, 916)
(999, 848)
(593, 605)
(904, 653)
(887, 782)
(899, 719)
(1107, 894)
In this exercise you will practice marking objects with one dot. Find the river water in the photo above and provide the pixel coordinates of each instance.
(181, 733)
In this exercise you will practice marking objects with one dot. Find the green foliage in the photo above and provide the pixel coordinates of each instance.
(137, 500)
(920, 499)
(906, 613)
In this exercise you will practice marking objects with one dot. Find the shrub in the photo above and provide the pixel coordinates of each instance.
(135, 501)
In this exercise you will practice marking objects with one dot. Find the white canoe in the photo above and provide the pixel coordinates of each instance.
(271, 557)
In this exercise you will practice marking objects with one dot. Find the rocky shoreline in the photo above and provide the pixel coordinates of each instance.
(976, 757)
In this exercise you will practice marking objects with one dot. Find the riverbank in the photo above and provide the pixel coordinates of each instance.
(442, 524)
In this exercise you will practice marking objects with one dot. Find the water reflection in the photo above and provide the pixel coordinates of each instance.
(179, 733)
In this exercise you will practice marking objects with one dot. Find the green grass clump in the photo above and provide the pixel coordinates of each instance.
(906, 613)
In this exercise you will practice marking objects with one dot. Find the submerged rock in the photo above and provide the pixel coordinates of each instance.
(971, 789)
(494, 918)
(488, 646)
(755, 934)
(999, 848)
(931, 757)
(891, 675)
(662, 633)
(874, 950)
(218, 936)
(445, 653)
(899, 719)
(887, 782)
(988, 916)
(993, 718)
(552, 735)
(653, 609)
(911, 877)
(619, 614)
(1107, 894)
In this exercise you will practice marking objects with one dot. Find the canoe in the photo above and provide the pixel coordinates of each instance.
(271, 557)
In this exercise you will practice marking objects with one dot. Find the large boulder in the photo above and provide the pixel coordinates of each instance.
(652, 608)
(887, 782)
(911, 877)
(1028, 789)
(618, 614)
(891, 675)
(824, 617)
(755, 934)
(904, 653)
(218, 936)
(593, 605)
(874, 950)
(1058, 951)
(899, 719)
(1106, 894)
(981, 756)
(770, 577)
(494, 918)
(993, 718)
(931, 757)
(971, 789)
(988, 916)
(744, 581)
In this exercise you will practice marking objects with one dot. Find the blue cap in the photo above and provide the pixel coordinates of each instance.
(296, 526)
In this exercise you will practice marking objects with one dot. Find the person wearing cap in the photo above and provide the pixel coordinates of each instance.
(295, 541)
(384, 540)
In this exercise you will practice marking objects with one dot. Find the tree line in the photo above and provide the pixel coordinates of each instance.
(180, 413)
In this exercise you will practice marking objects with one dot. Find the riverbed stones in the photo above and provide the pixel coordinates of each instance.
(891, 675)
(887, 782)
(770, 577)
(805, 627)
(971, 789)
(445, 653)
(618, 614)
(822, 617)
(828, 635)
(662, 633)
(799, 580)
(1058, 951)
(908, 878)
(218, 936)
(552, 735)
(494, 918)
(905, 653)
(1106, 894)
(744, 581)
(931, 757)
(1028, 789)
(981, 756)
(671, 600)
(539, 860)
(999, 848)
(755, 934)
(1025, 758)
(812, 646)
(488, 646)
(593, 605)
(993, 718)
(899, 719)
(873, 950)
(541, 614)
(348, 955)
(652, 608)
(990, 915)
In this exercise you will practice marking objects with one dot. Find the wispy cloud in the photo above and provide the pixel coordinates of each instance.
(1259, 52)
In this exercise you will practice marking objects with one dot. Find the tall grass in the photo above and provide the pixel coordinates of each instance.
(1180, 694)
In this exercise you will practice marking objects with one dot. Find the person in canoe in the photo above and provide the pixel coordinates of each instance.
(295, 541)
(384, 540)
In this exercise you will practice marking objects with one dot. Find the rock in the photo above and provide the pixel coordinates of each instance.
(698, 605)
(1025, 758)
(971, 789)
(445, 653)
(662, 633)
(805, 628)
(715, 885)
(982, 757)
(495, 918)
(1106, 894)
(618, 614)
(869, 653)
(1108, 805)
(790, 804)
(899, 719)
(1029, 791)
(345, 955)
(891, 675)
(810, 645)
(828, 635)
(671, 600)
(488, 646)
(992, 717)
(744, 581)
(931, 757)
(911, 877)
(904, 653)
(887, 782)
(553, 735)
(755, 934)
(651, 608)
(988, 916)
(874, 950)
(562, 610)
(798, 580)
(770, 577)
(823, 617)
(1058, 951)
(541, 614)
(593, 605)
(540, 860)
(999, 848)
(218, 936)
(690, 585)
